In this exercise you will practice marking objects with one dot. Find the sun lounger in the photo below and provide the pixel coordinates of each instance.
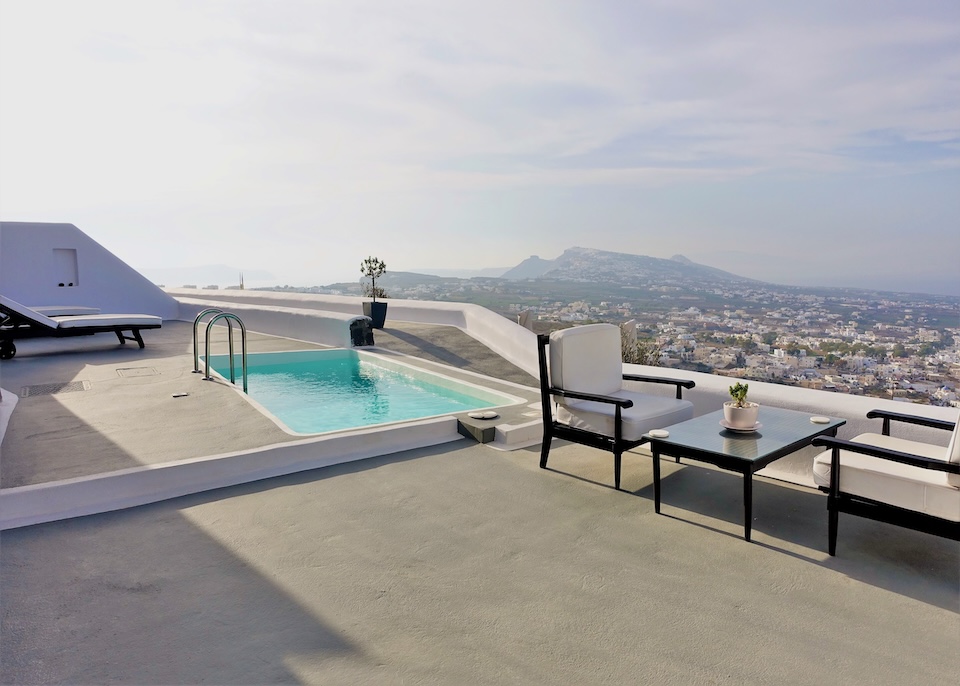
(18, 321)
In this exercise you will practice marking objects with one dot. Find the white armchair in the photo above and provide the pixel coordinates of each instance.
(893, 480)
(583, 398)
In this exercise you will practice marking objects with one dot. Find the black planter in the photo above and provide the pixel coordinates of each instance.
(377, 311)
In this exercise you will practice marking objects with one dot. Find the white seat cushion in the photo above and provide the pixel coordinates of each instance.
(648, 412)
(912, 488)
(84, 321)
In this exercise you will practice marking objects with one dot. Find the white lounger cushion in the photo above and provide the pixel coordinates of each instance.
(130, 320)
(80, 321)
(912, 488)
(648, 412)
(27, 313)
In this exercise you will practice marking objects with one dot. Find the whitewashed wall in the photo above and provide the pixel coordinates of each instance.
(305, 324)
(36, 257)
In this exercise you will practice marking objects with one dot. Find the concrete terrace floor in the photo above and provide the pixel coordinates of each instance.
(128, 415)
(448, 565)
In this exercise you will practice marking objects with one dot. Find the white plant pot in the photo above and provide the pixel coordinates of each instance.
(741, 417)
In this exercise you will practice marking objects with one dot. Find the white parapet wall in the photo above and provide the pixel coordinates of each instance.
(519, 345)
(712, 391)
(505, 337)
(317, 326)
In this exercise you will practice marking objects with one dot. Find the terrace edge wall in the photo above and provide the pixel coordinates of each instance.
(504, 337)
(518, 345)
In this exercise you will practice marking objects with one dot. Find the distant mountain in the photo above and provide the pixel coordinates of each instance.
(588, 264)
(531, 268)
(575, 266)
(204, 275)
(649, 283)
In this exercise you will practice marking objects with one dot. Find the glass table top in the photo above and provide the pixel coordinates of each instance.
(779, 429)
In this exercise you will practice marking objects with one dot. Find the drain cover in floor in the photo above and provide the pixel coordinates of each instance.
(54, 388)
(137, 371)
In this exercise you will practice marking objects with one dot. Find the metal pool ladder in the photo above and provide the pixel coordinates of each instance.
(230, 318)
(196, 322)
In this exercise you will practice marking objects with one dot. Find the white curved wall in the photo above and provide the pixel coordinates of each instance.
(36, 257)
(507, 338)
(317, 326)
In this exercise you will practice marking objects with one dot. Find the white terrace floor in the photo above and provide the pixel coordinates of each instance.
(445, 565)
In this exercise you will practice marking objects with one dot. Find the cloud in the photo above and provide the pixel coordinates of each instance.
(425, 84)
(197, 110)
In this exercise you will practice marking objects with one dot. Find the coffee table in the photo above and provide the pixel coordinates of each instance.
(703, 438)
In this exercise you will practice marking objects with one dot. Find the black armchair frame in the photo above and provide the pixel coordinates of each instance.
(616, 443)
(838, 501)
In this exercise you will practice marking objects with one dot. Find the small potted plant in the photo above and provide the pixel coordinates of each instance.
(740, 413)
(373, 268)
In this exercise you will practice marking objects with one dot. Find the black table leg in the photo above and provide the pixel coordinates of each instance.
(747, 504)
(656, 481)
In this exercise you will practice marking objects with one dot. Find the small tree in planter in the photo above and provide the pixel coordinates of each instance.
(373, 268)
(740, 413)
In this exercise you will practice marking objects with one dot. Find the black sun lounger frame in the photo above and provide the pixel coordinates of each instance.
(15, 325)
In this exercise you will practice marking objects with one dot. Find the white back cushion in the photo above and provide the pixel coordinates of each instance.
(953, 449)
(587, 359)
(27, 313)
(953, 454)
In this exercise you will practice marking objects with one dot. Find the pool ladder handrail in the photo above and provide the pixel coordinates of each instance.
(196, 323)
(228, 316)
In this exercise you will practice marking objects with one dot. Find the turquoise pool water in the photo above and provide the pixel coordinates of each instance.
(315, 391)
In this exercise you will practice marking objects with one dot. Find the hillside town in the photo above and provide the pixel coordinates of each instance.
(911, 358)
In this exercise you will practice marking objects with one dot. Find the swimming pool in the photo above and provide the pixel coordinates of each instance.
(316, 391)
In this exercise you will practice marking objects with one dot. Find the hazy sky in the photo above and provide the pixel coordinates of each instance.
(796, 142)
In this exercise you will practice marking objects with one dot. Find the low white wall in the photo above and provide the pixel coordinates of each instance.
(712, 391)
(507, 338)
(47, 502)
(316, 326)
